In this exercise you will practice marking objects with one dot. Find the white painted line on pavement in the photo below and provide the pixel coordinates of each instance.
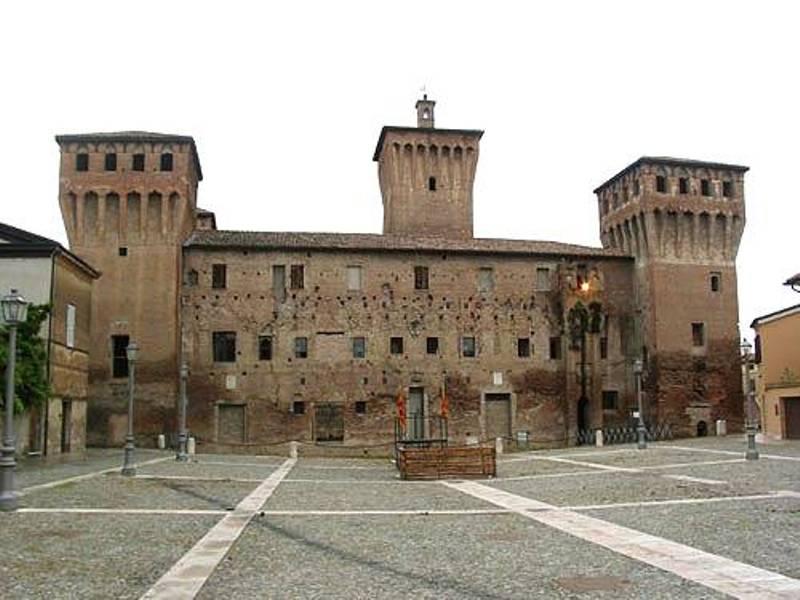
(358, 513)
(549, 475)
(728, 576)
(584, 463)
(190, 573)
(198, 478)
(222, 463)
(679, 501)
(699, 463)
(729, 452)
(695, 479)
(58, 482)
(124, 511)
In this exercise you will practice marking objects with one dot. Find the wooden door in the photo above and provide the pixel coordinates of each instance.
(329, 422)
(498, 415)
(792, 412)
(231, 428)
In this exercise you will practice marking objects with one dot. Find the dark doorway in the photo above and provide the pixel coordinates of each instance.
(329, 422)
(791, 407)
(416, 413)
(702, 429)
(583, 414)
(66, 426)
(498, 416)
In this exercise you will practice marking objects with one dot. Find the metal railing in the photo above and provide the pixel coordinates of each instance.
(625, 434)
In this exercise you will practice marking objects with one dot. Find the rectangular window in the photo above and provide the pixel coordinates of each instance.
(265, 347)
(698, 334)
(661, 184)
(705, 187)
(219, 276)
(224, 343)
(432, 184)
(683, 185)
(468, 346)
(297, 277)
(603, 348)
(166, 161)
(420, 278)
(122, 251)
(119, 355)
(432, 345)
(359, 347)
(485, 279)
(542, 279)
(361, 407)
(715, 279)
(298, 407)
(137, 162)
(70, 325)
(301, 347)
(524, 347)
(111, 162)
(727, 189)
(279, 282)
(354, 278)
(610, 399)
(395, 345)
(555, 348)
(82, 162)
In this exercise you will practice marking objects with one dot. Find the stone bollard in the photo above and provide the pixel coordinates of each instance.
(293, 446)
(598, 438)
(722, 427)
(190, 446)
(498, 445)
(162, 441)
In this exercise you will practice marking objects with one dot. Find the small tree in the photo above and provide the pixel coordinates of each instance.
(30, 375)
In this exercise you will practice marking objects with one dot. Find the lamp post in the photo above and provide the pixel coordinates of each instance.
(15, 311)
(182, 434)
(750, 426)
(128, 467)
(641, 432)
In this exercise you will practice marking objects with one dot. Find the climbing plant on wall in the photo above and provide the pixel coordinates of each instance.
(30, 375)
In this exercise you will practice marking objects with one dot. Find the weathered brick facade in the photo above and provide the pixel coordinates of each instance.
(312, 337)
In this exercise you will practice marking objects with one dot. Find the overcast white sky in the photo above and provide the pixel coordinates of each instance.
(286, 100)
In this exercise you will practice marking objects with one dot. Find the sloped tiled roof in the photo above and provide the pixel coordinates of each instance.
(387, 243)
(16, 242)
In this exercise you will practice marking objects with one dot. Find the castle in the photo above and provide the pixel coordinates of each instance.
(315, 336)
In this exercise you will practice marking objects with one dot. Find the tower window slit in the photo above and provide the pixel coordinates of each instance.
(432, 184)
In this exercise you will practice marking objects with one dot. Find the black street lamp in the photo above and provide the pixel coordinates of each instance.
(750, 423)
(15, 311)
(641, 431)
(128, 467)
(182, 456)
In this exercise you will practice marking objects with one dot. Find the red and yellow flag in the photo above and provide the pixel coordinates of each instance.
(445, 405)
(401, 409)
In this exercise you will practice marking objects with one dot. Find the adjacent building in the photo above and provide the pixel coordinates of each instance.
(44, 272)
(778, 383)
(316, 336)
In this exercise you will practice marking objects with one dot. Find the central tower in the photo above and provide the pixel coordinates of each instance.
(426, 177)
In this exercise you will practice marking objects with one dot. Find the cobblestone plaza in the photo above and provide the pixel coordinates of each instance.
(677, 520)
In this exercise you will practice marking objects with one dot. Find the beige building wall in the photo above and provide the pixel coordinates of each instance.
(779, 370)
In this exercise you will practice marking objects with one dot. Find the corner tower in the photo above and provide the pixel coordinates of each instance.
(682, 220)
(426, 177)
(128, 201)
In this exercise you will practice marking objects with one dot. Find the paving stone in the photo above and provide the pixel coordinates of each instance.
(91, 556)
(497, 556)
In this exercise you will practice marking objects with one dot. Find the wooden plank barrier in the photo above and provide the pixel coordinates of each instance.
(447, 463)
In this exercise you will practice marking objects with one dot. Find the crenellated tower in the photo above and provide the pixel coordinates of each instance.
(128, 201)
(426, 177)
(682, 221)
